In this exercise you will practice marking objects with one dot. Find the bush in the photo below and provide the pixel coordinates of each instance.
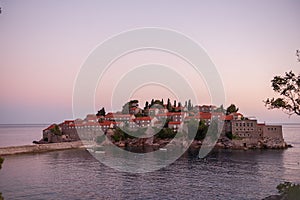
(56, 130)
(116, 137)
(290, 191)
(100, 139)
(200, 129)
(165, 133)
(1, 161)
(229, 135)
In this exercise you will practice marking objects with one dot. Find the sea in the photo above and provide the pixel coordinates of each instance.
(76, 174)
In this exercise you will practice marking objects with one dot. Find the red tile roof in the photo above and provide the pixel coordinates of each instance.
(117, 115)
(173, 122)
(228, 117)
(49, 127)
(143, 118)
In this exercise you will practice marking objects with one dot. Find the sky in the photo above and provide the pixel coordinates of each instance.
(43, 45)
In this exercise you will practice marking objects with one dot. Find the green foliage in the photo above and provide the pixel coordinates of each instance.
(236, 137)
(126, 107)
(120, 135)
(189, 106)
(100, 139)
(165, 133)
(231, 109)
(179, 104)
(56, 130)
(288, 87)
(179, 135)
(157, 104)
(146, 105)
(167, 123)
(197, 127)
(169, 106)
(116, 137)
(139, 115)
(289, 190)
(220, 109)
(214, 128)
(1, 161)
(101, 112)
(229, 135)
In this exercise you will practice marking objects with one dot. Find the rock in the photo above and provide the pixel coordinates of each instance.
(149, 141)
(273, 197)
(121, 144)
(219, 145)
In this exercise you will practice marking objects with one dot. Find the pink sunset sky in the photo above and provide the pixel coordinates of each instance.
(43, 45)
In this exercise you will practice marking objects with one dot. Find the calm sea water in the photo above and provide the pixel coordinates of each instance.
(75, 174)
(20, 134)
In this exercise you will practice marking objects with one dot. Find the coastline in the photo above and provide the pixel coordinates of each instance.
(38, 148)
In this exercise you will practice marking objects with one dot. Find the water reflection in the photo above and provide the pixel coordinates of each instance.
(66, 174)
(224, 174)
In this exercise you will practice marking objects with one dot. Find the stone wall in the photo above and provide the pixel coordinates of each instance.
(39, 148)
(273, 137)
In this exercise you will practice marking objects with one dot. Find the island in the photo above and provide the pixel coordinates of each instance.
(158, 124)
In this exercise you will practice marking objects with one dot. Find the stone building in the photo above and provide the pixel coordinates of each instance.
(63, 132)
(248, 133)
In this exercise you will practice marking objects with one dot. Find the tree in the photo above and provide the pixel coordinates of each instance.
(231, 109)
(179, 104)
(1, 161)
(220, 109)
(288, 190)
(288, 87)
(169, 106)
(146, 105)
(190, 106)
(101, 112)
(56, 130)
(127, 106)
(200, 128)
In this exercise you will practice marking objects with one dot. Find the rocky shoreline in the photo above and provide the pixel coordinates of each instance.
(223, 143)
